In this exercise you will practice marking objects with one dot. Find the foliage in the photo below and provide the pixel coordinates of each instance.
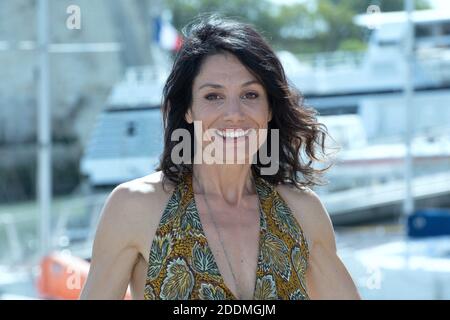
(303, 27)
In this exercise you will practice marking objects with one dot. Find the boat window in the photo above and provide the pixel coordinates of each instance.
(423, 31)
(131, 129)
(446, 29)
(386, 43)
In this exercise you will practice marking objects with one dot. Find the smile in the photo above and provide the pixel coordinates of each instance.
(233, 133)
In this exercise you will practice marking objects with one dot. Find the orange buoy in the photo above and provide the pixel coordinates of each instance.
(63, 276)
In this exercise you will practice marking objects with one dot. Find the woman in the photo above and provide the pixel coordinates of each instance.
(224, 230)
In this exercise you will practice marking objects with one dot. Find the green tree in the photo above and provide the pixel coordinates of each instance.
(294, 27)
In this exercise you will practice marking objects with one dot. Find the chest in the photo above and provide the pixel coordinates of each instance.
(218, 248)
(233, 237)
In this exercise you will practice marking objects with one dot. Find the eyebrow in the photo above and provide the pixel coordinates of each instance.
(218, 86)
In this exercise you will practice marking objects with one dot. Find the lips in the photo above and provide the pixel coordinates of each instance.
(233, 133)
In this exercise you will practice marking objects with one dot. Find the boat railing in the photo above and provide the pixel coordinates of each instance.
(431, 133)
(145, 74)
(434, 63)
(331, 60)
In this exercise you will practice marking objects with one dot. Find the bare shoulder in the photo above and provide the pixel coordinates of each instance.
(140, 191)
(311, 214)
(304, 195)
(135, 207)
(149, 184)
(128, 221)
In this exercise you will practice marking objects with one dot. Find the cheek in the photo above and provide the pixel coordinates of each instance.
(206, 117)
(263, 117)
(263, 110)
(201, 111)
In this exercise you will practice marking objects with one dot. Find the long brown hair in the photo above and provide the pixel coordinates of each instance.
(302, 137)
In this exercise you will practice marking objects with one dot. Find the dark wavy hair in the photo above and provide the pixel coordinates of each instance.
(302, 138)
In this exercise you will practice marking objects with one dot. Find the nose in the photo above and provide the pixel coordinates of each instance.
(233, 111)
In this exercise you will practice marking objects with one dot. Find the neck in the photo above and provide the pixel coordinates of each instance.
(229, 182)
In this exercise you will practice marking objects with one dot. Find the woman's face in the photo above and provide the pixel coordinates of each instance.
(229, 101)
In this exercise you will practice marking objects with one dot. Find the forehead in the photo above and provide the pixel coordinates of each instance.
(222, 67)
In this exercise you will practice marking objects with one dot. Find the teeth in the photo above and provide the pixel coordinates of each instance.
(233, 133)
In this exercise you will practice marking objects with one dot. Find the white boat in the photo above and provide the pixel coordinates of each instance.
(359, 163)
(128, 138)
(370, 83)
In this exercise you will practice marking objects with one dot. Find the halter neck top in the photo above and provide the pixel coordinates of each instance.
(182, 266)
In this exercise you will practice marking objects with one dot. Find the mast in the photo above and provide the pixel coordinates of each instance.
(44, 181)
(408, 204)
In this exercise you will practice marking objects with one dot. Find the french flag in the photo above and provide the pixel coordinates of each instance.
(166, 35)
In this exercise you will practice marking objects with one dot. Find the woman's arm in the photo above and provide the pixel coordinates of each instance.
(114, 252)
(326, 275)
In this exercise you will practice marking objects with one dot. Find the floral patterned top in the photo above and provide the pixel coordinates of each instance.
(182, 266)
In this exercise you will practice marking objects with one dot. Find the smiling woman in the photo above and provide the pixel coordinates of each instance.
(198, 230)
(230, 100)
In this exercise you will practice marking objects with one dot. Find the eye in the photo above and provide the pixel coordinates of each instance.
(212, 97)
(251, 95)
